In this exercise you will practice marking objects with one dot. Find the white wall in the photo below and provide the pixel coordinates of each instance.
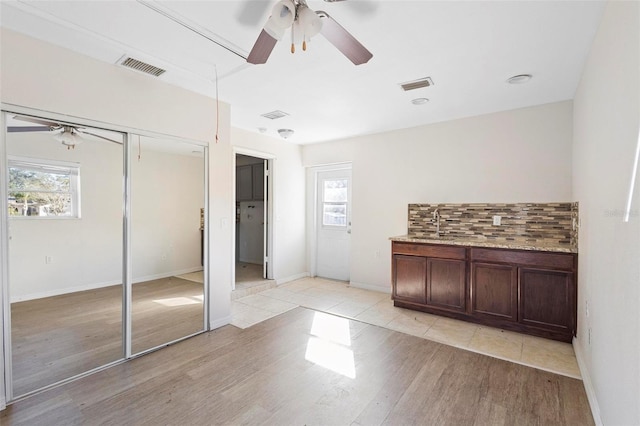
(606, 125)
(288, 199)
(167, 193)
(513, 156)
(47, 77)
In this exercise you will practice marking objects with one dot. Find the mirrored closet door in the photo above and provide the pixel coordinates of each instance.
(65, 249)
(167, 237)
(105, 247)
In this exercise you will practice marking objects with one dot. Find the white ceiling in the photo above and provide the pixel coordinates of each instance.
(468, 48)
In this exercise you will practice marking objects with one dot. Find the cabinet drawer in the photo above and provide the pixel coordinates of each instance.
(524, 258)
(429, 250)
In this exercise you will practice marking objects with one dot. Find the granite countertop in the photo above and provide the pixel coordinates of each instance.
(475, 242)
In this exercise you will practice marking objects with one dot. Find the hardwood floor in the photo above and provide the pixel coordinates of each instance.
(55, 338)
(283, 372)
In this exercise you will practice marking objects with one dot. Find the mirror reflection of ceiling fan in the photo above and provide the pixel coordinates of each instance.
(305, 23)
(68, 135)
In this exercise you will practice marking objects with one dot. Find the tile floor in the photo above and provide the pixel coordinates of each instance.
(377, 308)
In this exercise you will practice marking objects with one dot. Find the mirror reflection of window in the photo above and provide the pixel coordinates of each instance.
(65, 250)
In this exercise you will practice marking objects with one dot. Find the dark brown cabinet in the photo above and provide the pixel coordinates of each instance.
(446, 284)
(528, 291)
(494, 291)
(547, 299)
(411, 272)
(430, 277)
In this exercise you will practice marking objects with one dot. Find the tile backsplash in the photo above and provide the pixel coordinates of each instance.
(553, 223)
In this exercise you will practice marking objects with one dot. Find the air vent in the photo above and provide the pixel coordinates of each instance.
(275, 114)
(417, 84)
(137, 65)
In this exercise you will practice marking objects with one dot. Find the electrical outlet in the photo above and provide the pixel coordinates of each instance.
(497, 220)
(377, 254)
(589, 336)
(586, 308)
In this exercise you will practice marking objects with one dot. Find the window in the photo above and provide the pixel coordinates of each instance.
(43, 188)
(334, 202)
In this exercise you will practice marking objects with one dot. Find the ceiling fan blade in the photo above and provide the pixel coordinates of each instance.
(84, 132)
(343, 40)
(20, 129)
(37, 121)
(262, 49)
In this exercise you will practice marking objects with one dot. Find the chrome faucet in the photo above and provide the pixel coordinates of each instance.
(436, 220)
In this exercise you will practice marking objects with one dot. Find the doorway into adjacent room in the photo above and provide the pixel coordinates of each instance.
(252, 242)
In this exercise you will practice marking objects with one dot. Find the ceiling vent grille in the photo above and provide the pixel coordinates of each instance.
(274, 114)
(417, 84)
(137, 65)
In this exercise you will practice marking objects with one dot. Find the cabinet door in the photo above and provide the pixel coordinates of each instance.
(258, 181)
(244, 183)
(409, 273)
(494, 291)
(446, 284)
(546, 299)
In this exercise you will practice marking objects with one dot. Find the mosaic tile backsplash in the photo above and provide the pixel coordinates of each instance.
(548, 223)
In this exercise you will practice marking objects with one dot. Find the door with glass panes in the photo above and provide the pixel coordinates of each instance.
(333, 225)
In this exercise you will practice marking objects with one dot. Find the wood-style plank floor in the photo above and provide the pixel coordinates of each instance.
(285, 371)
(55, 338)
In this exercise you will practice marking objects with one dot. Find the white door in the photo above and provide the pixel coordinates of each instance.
(333, 225)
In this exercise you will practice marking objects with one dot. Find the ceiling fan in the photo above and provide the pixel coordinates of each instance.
(68, 135)
(305, 23)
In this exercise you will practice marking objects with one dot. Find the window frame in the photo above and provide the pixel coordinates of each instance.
(334, 203)
(52, 166)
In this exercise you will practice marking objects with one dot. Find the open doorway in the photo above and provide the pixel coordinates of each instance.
(252, 271)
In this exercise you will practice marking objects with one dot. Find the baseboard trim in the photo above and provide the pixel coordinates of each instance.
(94, 286)
(292, 278)
(371, 287)
(221, 322)
(588, 384)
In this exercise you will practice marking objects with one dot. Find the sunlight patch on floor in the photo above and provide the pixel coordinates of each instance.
(179, 301)
(329, 344)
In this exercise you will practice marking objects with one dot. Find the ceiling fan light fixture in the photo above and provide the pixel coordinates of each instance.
(283, 14)
(309, 21)
(273, 29)
(285, 133)
(68, 138)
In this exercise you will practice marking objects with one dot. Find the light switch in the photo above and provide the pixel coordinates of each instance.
(497, 220)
